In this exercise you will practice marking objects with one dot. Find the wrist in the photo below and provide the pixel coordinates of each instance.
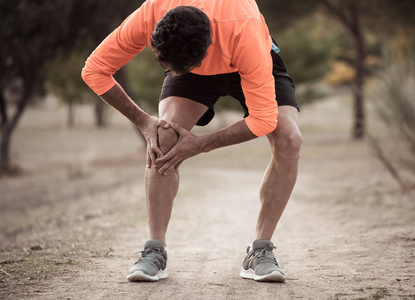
(205, 143)
(140, 119)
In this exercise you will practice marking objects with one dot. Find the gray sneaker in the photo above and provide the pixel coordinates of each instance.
(151, 266)
(260, 263)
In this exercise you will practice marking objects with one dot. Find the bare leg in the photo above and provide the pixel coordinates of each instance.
(281, 174)
(162, 189)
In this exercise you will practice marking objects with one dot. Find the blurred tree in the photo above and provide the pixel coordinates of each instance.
(349, 14)
(102, 20)
(145, 77)
(307, 57)
(64, 81)
(382, 17)
(96, 22)
(280, 14)
(33, 32)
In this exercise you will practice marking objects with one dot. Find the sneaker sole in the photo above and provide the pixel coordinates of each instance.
(274, 276)
(140, 276)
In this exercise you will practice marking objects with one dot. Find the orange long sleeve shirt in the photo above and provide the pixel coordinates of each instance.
(241, 43)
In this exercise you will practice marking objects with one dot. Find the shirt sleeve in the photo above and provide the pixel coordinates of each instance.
(254, 63)
(129, 39)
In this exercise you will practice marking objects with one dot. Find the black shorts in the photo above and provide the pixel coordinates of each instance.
(208, 89)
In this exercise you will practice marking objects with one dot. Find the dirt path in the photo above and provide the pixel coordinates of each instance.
(347, 233)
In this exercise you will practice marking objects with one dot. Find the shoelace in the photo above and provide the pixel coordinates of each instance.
(266, 254)
(151, 254)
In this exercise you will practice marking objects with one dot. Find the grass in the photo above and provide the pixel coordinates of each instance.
(377, 293)
(380, 293)
(34, 268)
(39, 263)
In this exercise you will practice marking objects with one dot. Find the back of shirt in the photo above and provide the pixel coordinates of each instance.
(241, 43)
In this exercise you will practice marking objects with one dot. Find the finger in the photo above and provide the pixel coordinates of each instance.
(164, 168)
(169, 155)
(164, 163)
(157, 154)
(163, 123)
(154, 152)
(178, 128)
(175, 165)
(155, 148)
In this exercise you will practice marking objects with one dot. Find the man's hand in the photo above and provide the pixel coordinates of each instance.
(149, 130)
(187, 145)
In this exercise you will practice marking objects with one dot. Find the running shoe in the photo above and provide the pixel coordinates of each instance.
(151, 266)
(260, 263)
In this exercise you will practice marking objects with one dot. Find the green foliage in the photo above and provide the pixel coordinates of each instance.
(309, 94)
(280, 14)
(34, 268)
(145, 78)
(306, 54)
(64, 79)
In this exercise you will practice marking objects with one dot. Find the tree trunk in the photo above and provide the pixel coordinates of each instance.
(348, 15)
(6, 133)
(3, 112)
(100, 113)
(356, 35)
(71, 114)
(8, 128)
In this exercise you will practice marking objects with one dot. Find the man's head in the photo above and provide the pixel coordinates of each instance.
(181, 39)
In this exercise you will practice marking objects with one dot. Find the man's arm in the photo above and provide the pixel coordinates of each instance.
(190, 145)
(126, 41)
(117, 98)
(233, 134)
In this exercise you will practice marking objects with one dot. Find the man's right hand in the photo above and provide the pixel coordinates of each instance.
(148, 128)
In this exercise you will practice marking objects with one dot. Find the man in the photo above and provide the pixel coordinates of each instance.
(209, 48)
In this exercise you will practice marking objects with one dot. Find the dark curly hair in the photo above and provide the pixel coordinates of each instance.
(181, 38)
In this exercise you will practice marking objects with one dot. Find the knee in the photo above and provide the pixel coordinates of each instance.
(167, 138)
(286, 143)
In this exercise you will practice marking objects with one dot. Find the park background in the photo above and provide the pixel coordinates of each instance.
(72, 204)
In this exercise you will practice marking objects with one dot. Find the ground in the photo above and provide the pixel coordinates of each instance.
(72, 221)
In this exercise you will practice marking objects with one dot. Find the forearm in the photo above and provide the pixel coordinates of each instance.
(233, 134)
(118, 99)
(190, 145)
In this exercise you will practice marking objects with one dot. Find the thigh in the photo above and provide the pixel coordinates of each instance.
(182, 111)
(204, 90)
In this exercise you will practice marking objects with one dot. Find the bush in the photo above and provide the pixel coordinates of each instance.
(394, 139)
(306, 55)
(145, 78)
